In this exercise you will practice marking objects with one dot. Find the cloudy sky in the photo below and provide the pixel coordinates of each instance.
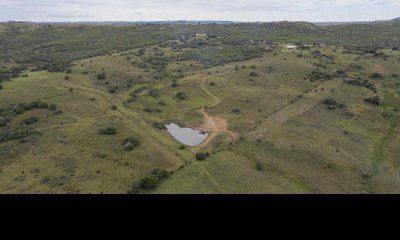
(234, 10)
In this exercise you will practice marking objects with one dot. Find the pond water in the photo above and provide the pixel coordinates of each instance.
(187, 136)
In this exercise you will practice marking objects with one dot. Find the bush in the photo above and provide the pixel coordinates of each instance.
(376, 76)
(149, 182)
(130, 143)
(53, 107)
(174, 84)
(113, 107)
(66, 78)
(202, 156)
(31, 120)
(259, 166)
(101, 76)
(253, 74)
(108, 131)
(1, 86)
(161, 174)
(373, 100)
(159, 125)
(181, 95)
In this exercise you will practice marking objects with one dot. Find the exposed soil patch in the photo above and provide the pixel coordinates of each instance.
(217, 124)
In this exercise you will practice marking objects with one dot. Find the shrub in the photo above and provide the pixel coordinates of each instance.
(130, 143)
(253, 74)
(373, 100)
(376, 76)
(31, 120)
(174, 84)
(181, 95)
(1, 86)
(108, 131)
(113, 107)
(202, 156)
(53, 107)
(159, 125)
(259, 166)
(161, 174)
(149, 182)
(66, 78)
(332, 103)
(101, 76)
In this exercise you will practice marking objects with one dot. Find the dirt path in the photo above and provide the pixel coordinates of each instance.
(214, 124)
(216, 99)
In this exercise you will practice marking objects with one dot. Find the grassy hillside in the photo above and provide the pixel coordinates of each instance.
(311, 120)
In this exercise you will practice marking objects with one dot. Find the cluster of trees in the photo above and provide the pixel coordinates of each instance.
(362, 83)
(150, 182)
(22, 129)
(318, 75)
(332, 103)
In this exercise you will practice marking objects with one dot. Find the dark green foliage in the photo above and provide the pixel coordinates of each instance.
(259, 167)
(319, 75)
(101, 76)
(108, 131)
(373, 100)
(31, 120)
(149, 182)
(253, 74)
(174, 84)
(130, 143)
(332, 103)
(181, 95)
(151, 110)
(113, 107)
(236, 110)
(376, 76)
(362, 82)
(159, 125)
(161, 174)
(202, 156)
(1, 86)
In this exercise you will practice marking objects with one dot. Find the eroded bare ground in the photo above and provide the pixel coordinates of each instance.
(216, 124)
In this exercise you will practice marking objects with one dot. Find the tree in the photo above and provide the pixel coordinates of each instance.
(181, 95)
(373, 100)
(253, 74)
(108, 131)
(149, 182)
(101, 76)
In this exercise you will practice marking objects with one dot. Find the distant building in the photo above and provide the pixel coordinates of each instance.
(200, 35)
(291, 46)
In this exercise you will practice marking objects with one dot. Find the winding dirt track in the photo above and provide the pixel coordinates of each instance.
(214, 124)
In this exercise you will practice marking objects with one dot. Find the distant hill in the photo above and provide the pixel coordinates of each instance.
(396, 19)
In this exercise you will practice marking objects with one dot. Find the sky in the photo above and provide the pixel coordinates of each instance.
(232, 10)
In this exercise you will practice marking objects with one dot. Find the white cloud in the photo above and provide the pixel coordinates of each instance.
(239, 10)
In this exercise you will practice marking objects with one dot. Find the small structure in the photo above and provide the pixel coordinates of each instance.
(291, 46)
(200, 35)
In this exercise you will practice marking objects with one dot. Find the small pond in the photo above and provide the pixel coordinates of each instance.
(187, 136)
